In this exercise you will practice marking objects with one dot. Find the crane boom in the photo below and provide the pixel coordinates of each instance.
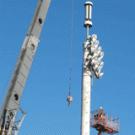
(11, 103)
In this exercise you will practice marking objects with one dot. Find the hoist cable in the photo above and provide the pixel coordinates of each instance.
(71, 48)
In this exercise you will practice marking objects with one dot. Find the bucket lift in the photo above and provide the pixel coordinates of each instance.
(104, 124)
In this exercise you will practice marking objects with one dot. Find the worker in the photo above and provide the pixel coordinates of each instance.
(101, 112)
(101, 115)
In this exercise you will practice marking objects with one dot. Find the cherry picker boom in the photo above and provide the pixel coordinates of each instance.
(11, 103)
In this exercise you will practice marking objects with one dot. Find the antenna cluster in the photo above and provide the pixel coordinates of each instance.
(94, 55)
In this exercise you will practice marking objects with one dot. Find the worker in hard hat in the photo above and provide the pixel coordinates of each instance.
(101, 112)
(101, 115)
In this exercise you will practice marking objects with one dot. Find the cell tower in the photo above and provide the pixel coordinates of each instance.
(91, 68)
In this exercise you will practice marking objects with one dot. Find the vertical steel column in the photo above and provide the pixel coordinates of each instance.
(86, 80)
(86, 91)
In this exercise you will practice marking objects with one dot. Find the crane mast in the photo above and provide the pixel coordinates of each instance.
(11, 103)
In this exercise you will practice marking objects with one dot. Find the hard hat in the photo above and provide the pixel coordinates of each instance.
(100, 108)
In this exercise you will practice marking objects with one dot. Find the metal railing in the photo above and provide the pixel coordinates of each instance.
(106, 119)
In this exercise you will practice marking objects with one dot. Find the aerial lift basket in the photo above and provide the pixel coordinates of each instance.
(104, 124)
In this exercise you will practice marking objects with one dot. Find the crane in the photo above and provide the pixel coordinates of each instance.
(11, 103)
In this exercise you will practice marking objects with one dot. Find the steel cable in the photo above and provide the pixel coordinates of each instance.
(71, 48)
